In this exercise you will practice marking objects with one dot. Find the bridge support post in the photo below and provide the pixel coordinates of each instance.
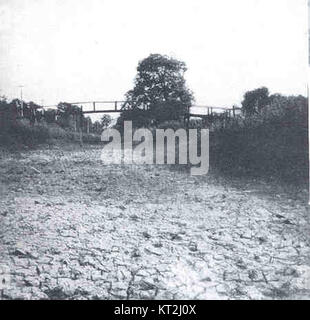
(88, 124)
(75, 121)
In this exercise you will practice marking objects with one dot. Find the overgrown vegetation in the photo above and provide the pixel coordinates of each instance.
(25, 124)
(270, 140)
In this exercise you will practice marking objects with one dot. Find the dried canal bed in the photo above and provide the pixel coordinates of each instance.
(72, 228)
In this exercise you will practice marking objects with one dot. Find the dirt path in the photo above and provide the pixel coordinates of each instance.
(74, 228)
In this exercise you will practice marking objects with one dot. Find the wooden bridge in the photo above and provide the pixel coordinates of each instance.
(117, 106)
(209, 115)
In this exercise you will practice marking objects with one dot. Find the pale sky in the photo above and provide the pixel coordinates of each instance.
(81, 50)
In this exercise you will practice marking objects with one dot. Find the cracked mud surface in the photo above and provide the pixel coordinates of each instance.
(72, 228)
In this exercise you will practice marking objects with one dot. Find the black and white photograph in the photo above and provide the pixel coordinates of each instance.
(154, 150)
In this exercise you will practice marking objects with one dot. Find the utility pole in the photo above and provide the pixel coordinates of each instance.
(21, 98)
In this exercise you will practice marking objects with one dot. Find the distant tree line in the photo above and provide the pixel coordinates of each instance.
(66, 115)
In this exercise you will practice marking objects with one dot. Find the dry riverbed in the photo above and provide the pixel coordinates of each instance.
(72, 228)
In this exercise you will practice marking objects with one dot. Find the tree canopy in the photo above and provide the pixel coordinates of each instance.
(159, 87)
(254, 101)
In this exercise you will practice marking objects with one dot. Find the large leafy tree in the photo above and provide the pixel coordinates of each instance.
(159, 87)
(254, 101)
